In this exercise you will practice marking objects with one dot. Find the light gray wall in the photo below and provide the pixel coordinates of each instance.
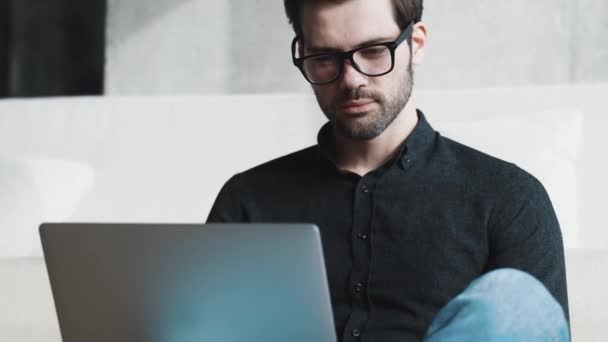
(260, 49)
(164, 46)
(167, 47)
(591, 43)
(490, 43)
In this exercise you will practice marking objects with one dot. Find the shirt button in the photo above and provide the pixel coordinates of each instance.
(356, 332)
(362, 236)
(365, 189)
(358, 287)
(405, 161)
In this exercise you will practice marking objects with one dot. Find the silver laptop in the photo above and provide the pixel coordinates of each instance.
(185, 283)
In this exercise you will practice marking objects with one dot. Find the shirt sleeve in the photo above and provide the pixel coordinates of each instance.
(526, 235)
(227, 206)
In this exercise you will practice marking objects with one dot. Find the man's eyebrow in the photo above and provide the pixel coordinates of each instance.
(323, 49)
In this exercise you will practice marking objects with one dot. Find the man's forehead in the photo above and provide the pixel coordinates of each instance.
(343, 24)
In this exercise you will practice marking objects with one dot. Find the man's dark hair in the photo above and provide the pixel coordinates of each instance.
(405, 12)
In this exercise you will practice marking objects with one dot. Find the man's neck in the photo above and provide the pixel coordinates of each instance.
(362, 157)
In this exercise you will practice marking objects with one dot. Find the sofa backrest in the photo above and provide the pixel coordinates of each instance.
(163, 159)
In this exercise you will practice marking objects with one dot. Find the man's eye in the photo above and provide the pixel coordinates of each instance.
(323, 60)
(376, 50)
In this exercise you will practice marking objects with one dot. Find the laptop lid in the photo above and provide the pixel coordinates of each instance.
(182, 283)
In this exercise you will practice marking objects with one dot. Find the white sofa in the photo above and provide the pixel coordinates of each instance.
(163, 159)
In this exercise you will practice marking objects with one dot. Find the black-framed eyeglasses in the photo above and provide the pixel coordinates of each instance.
(371, 60)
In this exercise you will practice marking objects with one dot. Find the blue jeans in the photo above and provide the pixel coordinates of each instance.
(504, 305)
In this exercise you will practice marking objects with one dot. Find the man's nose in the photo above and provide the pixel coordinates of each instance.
(351, 78)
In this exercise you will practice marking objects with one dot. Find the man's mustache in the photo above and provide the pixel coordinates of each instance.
(360, 94)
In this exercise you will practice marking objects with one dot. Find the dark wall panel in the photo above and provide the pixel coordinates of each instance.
(4, 45)
(56, 47)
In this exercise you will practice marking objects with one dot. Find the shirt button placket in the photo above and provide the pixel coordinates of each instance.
(363, 201)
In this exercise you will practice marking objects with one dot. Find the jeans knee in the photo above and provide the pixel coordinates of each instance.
(507, 303)
(507, 280)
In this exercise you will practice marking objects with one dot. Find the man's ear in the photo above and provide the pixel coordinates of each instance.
(301, 46)
(298, 48)
(419, 43)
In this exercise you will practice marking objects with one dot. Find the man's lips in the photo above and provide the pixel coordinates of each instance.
(356, 105)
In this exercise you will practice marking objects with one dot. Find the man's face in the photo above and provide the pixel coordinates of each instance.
(360, 107)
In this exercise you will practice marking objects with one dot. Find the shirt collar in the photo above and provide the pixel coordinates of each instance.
(416, 146)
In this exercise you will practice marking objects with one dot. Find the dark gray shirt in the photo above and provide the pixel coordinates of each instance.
(403, 240)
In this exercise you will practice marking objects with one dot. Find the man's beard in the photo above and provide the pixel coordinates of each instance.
(374, 122)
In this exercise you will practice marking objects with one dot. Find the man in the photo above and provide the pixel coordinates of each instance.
(408, 218)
